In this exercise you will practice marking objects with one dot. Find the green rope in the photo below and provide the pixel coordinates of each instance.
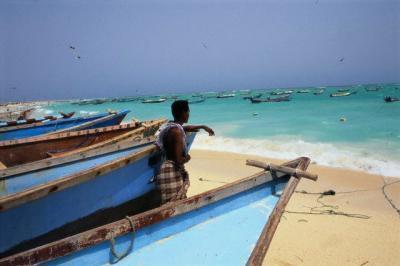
(128, 250)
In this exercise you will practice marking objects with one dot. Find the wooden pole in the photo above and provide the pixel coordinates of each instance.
(283, 169)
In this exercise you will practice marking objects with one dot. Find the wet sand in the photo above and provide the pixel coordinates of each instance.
(357, 226)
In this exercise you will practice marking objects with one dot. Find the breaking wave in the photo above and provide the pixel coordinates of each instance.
(321, 153)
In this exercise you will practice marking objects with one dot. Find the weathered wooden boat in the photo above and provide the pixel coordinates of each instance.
(143, 133)
(227, 95)
(285, 98)
(62, 125)
(160, 100)
(42, 206)
(342, 94)
(229, 225)
(34, 120)
(390, 99)
(22, 151)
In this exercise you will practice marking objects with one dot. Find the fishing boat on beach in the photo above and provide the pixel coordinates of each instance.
(285, 98)
(390, 99)
(159, 100)
(62, 125)
(229, 225)
(23, 151)
(342, 94)
(42, 206)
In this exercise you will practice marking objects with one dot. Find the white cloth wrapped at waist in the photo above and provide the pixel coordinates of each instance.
(162, 131)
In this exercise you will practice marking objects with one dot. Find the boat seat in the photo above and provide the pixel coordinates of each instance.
(2, 166)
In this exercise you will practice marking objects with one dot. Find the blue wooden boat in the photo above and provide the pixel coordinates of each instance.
(59, 125)
(230, 225)
(38, 206)
(45, 148)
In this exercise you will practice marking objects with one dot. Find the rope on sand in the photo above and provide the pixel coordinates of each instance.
(387, 197)
(318, 210)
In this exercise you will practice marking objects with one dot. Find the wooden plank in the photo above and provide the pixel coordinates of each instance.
(283, 169)
(103, 233)
(264, 241)
(66, 134)
(135, 133)
(128, 140)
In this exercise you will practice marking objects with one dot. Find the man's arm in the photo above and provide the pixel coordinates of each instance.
(195, 128)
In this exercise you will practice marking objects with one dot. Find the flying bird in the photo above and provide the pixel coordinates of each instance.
(341, 59)
(71, 47)
(78, 57)
(204, 45)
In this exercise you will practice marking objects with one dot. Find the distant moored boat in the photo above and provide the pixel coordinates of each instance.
(160, 100)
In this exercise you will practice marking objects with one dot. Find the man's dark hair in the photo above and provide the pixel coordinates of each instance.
(179, 107)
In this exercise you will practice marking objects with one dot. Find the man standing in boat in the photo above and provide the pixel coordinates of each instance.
(172, 179)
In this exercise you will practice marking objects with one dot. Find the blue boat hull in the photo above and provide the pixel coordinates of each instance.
(222, 233)
(43, 215)
(60, 124)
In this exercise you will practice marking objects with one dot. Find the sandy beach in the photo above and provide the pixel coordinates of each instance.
(357, 226)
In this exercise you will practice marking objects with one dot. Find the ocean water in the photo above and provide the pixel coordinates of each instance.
(308, 125)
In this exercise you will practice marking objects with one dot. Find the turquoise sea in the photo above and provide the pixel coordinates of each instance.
(308, 125)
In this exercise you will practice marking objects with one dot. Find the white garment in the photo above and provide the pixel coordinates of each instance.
(160, 134)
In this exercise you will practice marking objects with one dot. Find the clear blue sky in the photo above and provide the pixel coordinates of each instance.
(129, 47)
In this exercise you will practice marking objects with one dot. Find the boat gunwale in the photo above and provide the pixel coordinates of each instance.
(103, 233)
(264, 241)
(33, 125)
(97, 149)
(62, 135)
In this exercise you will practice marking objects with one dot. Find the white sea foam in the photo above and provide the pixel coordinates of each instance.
(40, 112)
(321, 153)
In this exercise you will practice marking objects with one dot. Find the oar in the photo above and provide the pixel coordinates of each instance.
(283, 169)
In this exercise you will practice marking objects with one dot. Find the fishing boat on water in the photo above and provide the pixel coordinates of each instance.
(279, 93)
(342, 94)
(371, 89)
(285, 98)
(303, 91)
(343, 90)
(252, 96)
(319, 92)
(159, 100)
(23, 151)
(49, 204)
(198, 100)
(390, 99)
(229, 225)
(62, 125)
(225, 95)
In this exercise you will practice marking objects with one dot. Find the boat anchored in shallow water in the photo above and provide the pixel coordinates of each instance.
(342, 94)
(160, 100)
(285, 98)
(390, 99)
